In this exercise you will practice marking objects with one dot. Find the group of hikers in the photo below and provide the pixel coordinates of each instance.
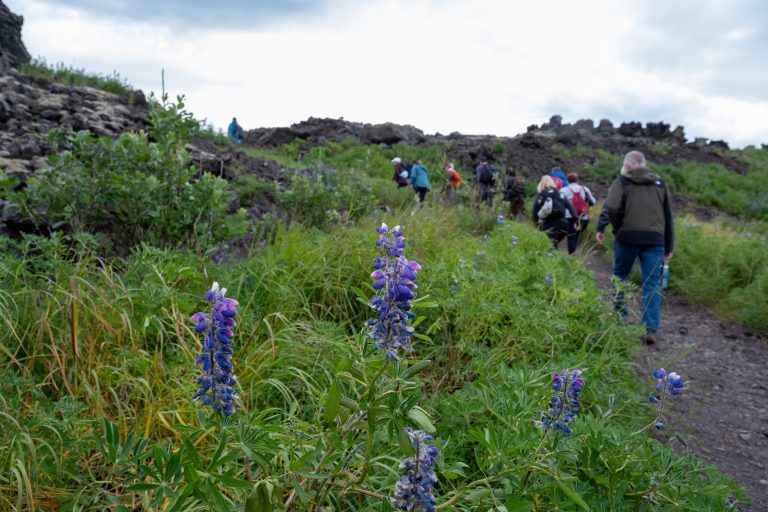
(638, 207)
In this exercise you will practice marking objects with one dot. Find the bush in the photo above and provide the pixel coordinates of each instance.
(131, 189)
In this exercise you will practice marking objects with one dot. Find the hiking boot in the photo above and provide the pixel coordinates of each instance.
(649, 338)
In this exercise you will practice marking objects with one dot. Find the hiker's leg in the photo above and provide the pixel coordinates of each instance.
(573, 237)
(651, 258)
(623, 258)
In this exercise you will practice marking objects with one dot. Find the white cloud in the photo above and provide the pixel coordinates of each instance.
(487, 66)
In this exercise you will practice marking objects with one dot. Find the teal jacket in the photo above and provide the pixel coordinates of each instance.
(419, 176)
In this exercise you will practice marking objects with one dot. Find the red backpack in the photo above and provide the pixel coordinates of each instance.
(578, 202)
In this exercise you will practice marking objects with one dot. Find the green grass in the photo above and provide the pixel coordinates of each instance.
(89, 338)
(114, 83)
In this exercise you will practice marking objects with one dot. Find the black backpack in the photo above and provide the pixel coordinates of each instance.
(558, 204)
(486, 175)
(513, 188)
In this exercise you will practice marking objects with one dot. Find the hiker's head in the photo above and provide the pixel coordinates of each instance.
(572, 177)
(396, 160)
(633, 160)
(546, 182)
(483, 160)
(234, 119)
(448, 167)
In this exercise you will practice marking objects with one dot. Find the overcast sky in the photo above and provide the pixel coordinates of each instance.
(473, 66)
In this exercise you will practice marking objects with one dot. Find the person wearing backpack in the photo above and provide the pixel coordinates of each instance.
(639, 208)
(419, 180)
(581, 198)
(549, 211)
(452, 180)
(400, 172)
(485, 180)
(514, 192)
(235, 132)
(558, 176)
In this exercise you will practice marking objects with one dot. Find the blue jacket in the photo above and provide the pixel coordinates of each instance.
(419, 176)
(560, 174)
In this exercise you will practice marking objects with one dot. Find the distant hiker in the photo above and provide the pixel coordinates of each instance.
(549, 211)
(639, 209)
(514, 192)
(581, 198)
(559, 177)
(419, 180)
(452, 180)
(485, 180)
(235, 132)
(400, 173)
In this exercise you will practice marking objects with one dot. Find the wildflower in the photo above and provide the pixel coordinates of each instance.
(499, 219)
(549, 279)
(564, 404)
(217, 380)
(394, 277)
(666, 384)
(413, 491)
(514, 240)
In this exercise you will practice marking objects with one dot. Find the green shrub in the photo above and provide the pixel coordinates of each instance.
(131, 189)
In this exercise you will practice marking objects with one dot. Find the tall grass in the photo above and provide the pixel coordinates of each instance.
(90, 339)
(60, 72)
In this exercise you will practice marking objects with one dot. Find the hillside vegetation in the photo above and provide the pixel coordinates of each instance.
(98, 369)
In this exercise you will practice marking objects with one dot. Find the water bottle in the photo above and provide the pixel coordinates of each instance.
(665, 275)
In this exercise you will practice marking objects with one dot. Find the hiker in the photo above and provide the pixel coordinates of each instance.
(639, 209)
(559, 177)
(452, 180)
(235, 132)
(514, 192)
(581, 198)
(485, 180)
(419, 180)
(400, 173)
(549, 211)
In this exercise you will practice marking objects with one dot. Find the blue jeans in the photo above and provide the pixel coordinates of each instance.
(651, 259)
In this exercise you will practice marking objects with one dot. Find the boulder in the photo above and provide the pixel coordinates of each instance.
(13, 53)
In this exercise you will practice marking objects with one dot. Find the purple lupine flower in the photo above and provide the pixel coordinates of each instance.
(666, 384)
(549, 279)
(393, 279)
(413, 491)
(217, 380)
(499, 219)
(564, 404)
(513, 241)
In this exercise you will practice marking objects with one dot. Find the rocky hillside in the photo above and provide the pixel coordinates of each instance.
(532, 152)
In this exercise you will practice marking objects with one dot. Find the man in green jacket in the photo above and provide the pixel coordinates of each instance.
(639, 209)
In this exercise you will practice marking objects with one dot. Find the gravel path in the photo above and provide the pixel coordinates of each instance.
(723, 411)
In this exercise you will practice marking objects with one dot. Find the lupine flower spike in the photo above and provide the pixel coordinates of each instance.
(217, 380)
(393, 279)
(666, 384)
(413, 491)
(565, 403)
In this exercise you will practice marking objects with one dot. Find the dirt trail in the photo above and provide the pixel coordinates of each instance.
(723, 411)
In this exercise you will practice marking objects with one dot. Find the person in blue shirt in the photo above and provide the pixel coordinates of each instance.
(419, 180)
(235, 132)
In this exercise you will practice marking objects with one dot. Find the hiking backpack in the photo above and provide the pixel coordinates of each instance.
(486, 175)
(552, 205)
(578, 201)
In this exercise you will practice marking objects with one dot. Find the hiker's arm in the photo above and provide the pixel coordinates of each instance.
(613, 204)
(590, 197)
